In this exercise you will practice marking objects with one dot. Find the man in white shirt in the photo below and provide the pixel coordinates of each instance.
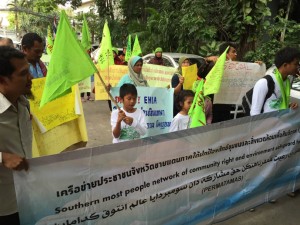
(286, 63)
(15, 127)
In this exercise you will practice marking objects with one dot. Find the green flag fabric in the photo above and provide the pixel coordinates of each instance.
(106, 55)
(85, 38)
(136, 51)
(69, 63)
(49, 41)
(197, 110)
(214, 77)
(128, 49)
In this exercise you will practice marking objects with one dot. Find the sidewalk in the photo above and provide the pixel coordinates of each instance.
(284, 212)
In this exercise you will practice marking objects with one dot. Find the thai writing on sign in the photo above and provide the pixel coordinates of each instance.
(180, 178)
(157, 104)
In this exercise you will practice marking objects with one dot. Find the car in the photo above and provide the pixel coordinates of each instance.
(171, 59)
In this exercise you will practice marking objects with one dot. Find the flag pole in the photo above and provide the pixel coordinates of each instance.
(109, 94)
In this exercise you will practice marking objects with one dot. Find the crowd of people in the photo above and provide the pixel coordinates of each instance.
(18, 68)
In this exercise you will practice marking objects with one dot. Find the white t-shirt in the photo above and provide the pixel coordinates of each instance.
(260, 90)
(137, 129)
(180, 122)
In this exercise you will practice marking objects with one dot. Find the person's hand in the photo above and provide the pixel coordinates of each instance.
(181, 80)
(121, 116)
(259, 62)
(128, 120)
(293, 105)
(108, 87)
(14, 162)
(211, 58)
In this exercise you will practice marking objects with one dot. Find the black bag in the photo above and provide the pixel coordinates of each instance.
(247, 99)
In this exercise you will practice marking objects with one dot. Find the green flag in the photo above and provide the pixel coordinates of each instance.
(128, 49)
(197, 110)
(211, 86)
(136, 51)
(106, 55)
(69, 63)
(49, 41)
(214, 77)
(85, 38)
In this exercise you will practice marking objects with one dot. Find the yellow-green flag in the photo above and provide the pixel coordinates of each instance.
(49, 41)
(106, 57)
(136, 51)
(214, 77)
(128, 49)
(197, 110)
(69, 63)
(85, 38)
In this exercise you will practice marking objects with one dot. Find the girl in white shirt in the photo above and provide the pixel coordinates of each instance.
(183, 102)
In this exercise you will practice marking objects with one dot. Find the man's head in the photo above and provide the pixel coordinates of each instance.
(231, 52)
(287, 61)
(158, 52)
(33, 47)
(6, 42)
(15, 78)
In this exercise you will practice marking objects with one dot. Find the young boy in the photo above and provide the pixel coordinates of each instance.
(129, 122)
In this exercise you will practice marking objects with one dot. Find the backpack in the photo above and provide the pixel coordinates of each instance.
(247, 99)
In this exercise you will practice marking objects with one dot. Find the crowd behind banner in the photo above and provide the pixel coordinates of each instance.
(195, 176)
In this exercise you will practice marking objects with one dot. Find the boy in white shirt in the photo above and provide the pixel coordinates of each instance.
(128, 123)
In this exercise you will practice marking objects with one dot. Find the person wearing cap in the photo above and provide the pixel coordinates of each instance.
(117, 60)
(157, 60)
(135, 75)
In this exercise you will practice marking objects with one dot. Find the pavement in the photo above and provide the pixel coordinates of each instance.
(286, 211)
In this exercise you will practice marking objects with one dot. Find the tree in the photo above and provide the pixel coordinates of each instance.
(33, 16)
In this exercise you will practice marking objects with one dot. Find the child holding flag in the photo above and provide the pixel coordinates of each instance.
(183, 102)
(128, 123)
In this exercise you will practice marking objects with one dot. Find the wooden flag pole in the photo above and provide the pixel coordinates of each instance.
(107, 91)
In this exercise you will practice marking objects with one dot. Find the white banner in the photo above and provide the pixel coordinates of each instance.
(195, 176)
(156, 103)
(238, 78)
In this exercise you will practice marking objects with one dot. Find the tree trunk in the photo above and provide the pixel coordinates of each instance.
(286, 19)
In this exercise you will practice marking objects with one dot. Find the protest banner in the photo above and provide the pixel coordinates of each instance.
(238, 78)
(46, 59)
(190, 76)
(113, 77)
(85, 85)
(156, 103)
(56, 112)
(195, 176)
(69, 135)
(156, 76)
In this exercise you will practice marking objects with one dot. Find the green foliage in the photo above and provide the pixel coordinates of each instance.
(265, 52)
(210, 49)
(42, 13)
